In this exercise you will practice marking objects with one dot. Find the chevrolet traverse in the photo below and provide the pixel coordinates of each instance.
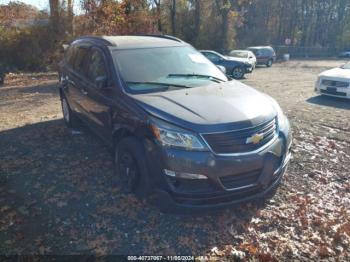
(183, 134)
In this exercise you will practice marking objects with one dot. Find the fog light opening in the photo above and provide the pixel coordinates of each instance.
(174, 174)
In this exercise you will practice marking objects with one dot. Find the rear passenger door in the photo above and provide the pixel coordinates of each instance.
(77, 79)
(66, 75)
(99, 93)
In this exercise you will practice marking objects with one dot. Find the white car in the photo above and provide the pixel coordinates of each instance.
(334, 82)
(244, 56)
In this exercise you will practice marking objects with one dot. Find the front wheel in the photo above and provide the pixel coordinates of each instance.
(238, 73)
(269, 63)
(131, 167)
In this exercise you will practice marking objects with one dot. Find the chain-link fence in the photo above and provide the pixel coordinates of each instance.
(306, 52)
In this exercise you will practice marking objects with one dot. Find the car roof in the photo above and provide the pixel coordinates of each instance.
(241, 50)
(260, 47)
(133, 41)
(210, 51)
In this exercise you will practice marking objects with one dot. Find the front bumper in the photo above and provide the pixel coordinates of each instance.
(342, 92)
(231, 179)
(249, 69)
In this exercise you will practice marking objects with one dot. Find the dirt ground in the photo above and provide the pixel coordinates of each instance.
(58, 194)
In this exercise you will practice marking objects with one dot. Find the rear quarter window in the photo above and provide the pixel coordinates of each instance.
(80, 56)
(69, 56)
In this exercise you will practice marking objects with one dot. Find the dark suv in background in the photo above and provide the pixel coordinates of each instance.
(183, 135)
(265, 55)
(234, 68)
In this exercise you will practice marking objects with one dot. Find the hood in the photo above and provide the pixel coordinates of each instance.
(336, 73)
(217, 107)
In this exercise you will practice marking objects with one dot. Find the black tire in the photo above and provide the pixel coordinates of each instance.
(269, 63)
(131, 168)
(237, 73)
(68, 115)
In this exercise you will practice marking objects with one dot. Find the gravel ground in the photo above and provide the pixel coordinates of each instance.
(58, 194)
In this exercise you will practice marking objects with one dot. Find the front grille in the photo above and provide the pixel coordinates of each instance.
(240, 180)
(330, 92)
(236, 141)
(333, 83)
(214, 199)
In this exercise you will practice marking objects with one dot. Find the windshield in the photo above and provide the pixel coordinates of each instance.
(239, 54)
(254, 50)
(346, 66)
(160, 69)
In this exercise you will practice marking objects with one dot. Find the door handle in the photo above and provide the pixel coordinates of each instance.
(84, 92)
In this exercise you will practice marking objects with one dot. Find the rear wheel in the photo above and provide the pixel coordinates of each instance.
(238, 73)
(131, 168)
(269, 63)
(68, 115)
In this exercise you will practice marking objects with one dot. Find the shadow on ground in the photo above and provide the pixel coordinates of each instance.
(42, 89)
(58, 195)
(336, 102)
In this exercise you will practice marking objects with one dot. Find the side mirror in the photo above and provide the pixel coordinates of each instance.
(101, 82)
(222, 68)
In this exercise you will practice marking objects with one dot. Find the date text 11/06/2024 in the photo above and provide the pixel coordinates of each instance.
(162, 258)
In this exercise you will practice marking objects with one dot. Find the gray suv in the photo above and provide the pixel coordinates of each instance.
(265, 55)
(183, 135)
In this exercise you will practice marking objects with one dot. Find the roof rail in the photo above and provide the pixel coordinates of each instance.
(94, 37)
(162, 36)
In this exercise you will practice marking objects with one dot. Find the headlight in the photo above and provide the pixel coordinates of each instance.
(177, 138)
(281, 118)
(318, 80)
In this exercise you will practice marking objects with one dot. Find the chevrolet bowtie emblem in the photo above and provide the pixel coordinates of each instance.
(255, 139)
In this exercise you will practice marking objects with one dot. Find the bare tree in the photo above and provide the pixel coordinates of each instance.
(173, 16)
(70, 14)
(55, 15)
(197, 19)
(159, 13)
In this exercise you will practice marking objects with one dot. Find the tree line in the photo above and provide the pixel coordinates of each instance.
(221, 25)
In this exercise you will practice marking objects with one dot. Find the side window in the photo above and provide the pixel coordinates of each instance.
(205, 54)
(69, 56)
(79, 59)
(96, 67)
(212, 57)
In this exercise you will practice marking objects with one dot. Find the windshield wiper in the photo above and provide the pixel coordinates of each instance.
(159, 84)
(211, 78)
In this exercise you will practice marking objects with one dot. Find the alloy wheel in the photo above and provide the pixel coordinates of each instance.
(237, 73)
